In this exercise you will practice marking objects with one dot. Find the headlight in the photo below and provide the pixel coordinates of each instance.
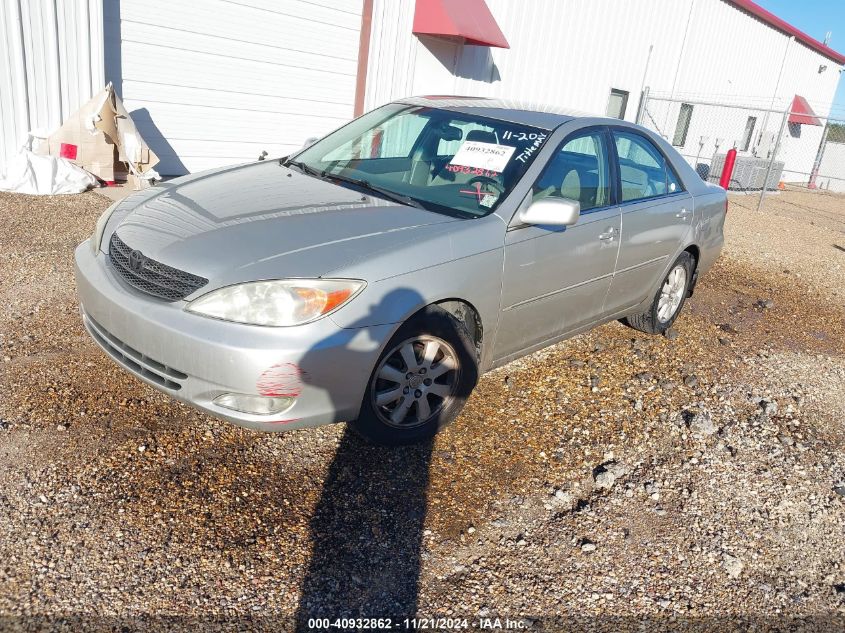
(280, 302)
(97, 237)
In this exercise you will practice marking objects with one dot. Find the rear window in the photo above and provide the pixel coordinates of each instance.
(643, 170)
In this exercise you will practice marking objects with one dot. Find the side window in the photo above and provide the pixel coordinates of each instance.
(579, 170)
(643, 171)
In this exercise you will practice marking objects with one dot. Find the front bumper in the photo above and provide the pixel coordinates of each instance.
(195, 359)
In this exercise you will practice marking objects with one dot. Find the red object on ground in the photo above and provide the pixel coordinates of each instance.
(801, 112)
(728, 169)
(469, 20)
(68, 150)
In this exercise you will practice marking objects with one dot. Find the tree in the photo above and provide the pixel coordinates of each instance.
(836, 133)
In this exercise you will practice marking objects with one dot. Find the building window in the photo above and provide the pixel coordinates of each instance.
(682, 127)
(617, 103)
(749, 132)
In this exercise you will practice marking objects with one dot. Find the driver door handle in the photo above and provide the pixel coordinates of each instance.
(683, 213)
(608, 235)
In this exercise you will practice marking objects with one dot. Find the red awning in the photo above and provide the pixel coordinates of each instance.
(801, 112)
(468, 20)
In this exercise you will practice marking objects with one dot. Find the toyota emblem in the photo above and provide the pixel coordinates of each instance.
(136, 261)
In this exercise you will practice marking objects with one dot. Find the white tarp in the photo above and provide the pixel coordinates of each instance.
(44, 175)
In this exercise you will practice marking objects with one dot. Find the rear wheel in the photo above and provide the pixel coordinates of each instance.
(670, 298)
(420, 382)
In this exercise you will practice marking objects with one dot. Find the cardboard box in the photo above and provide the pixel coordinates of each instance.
(101, 138)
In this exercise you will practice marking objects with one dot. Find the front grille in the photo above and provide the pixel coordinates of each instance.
(133, 360)
(152, 278)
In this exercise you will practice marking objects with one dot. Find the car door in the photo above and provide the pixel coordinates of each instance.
(656, 215)
(556, 278)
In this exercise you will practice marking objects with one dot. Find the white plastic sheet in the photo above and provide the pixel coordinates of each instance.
(44, 175)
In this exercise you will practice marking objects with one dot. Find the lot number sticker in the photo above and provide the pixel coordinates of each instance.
(483, 155)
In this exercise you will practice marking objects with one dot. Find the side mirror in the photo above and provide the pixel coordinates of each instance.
(310, 141)
(551, 212)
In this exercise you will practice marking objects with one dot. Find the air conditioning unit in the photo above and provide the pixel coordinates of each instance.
(749, 172)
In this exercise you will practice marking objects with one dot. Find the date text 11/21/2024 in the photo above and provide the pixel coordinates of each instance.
(417, 624)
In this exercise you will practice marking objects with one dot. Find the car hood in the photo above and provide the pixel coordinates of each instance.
(262, 221)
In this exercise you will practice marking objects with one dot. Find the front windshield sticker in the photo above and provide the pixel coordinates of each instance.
(488, 201)
(483, 155)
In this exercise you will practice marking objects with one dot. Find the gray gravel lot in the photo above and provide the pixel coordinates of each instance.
(615, 475)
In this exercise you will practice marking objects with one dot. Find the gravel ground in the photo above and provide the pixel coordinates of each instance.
(610, 478)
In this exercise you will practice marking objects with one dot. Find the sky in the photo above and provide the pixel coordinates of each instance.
(815, 18)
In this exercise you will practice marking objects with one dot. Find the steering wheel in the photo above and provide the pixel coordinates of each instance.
(488, 181)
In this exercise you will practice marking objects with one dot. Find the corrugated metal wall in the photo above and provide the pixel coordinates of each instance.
(51, 62)
(571, 53)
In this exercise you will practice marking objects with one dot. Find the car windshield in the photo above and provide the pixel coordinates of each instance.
(460, 164)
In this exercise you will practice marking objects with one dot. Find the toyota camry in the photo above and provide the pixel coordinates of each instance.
(372, 276)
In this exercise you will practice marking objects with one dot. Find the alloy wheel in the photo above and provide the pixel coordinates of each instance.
(672, 294)
(414, 381)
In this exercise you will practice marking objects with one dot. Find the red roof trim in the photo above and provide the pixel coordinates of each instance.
(801, 113)
(785, 27)
(468, 20)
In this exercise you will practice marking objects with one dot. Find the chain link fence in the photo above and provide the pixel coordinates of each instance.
(778, 150)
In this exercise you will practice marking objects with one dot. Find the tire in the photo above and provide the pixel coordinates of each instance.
(394, 408)
(652, 321)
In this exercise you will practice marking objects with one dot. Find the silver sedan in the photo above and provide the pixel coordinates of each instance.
(375, 274)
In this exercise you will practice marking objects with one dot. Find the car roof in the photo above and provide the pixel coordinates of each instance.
(526, 113)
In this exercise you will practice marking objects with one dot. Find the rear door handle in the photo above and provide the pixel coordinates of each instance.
(607, 236)
(682, 213)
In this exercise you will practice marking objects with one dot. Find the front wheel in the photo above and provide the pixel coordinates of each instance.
(669, 299)
(420, 382)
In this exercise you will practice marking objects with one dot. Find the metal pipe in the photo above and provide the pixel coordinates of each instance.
(643, 105)
(680, 60)
(811, 184)
(772, 159)
(777, 87)
(643, 87)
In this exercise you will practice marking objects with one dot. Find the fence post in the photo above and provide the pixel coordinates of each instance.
(643, 105)
(811, 184)
(772, 159)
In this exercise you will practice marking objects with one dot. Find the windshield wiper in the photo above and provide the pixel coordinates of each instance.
(364, 184)
(385, 193)
(303, 167)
